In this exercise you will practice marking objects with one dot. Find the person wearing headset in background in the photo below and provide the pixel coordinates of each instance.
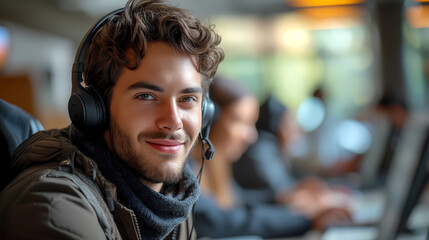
(226, 210)
(265, 166)
(123, 174)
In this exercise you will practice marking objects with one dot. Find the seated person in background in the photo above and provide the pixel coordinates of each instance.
(385, 121)
(323, 138)
(223, 209)
(264, 166)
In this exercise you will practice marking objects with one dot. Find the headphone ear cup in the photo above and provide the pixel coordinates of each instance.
(87, 109)
(208, 113)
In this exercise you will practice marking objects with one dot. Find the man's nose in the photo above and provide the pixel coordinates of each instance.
(169, 118)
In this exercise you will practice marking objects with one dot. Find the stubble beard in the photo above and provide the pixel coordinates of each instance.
(140, 163)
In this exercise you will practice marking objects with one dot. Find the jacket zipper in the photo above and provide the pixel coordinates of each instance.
(136, 223)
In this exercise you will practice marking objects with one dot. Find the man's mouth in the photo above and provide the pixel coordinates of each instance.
(166, 145)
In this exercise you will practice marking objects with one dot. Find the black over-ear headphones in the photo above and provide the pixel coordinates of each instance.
(86, 106)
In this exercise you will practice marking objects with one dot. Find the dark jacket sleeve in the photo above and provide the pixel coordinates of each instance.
(267, 221)
(35, 206)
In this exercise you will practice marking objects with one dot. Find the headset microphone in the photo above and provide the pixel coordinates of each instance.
(210, 150)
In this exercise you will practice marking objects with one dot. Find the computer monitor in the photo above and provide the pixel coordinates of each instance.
(418, 186)
(407, 177)
(406, 180)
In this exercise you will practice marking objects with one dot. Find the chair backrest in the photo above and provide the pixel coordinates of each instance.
(16, 125)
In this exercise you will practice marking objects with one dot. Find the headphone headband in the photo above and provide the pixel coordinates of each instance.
(78, 65)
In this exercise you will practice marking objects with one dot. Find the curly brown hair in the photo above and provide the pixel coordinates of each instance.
(142, 22)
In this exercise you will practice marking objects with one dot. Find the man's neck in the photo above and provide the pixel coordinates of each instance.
(154, 186)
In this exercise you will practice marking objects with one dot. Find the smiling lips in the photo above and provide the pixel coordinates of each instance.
(166, 145)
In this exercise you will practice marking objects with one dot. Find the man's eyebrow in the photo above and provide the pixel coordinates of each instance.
(192, 90)
(153, 87)
(145, 85)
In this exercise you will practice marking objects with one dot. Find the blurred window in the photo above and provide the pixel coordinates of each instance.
(293, 53)
(416, 53)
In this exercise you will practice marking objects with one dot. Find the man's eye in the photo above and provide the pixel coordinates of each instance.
(145, 96)
(188, 99)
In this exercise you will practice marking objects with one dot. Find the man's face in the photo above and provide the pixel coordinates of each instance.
(155, 113)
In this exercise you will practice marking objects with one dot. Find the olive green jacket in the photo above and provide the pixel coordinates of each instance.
(60, 194)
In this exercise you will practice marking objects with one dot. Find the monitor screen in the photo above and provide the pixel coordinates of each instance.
(407, 177)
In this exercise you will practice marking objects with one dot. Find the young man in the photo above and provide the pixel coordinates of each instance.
(126, 178)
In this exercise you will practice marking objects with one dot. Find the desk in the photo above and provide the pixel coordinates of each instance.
(419, 220)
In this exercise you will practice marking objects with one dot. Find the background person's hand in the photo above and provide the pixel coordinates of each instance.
(331, 217)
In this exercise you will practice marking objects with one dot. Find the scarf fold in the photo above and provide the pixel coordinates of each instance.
(157, 213)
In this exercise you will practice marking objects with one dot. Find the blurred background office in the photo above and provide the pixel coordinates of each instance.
(348, 71)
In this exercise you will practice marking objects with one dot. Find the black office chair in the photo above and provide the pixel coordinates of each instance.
(16, 125)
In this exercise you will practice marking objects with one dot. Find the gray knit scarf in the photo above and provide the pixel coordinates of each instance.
(157, 213)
